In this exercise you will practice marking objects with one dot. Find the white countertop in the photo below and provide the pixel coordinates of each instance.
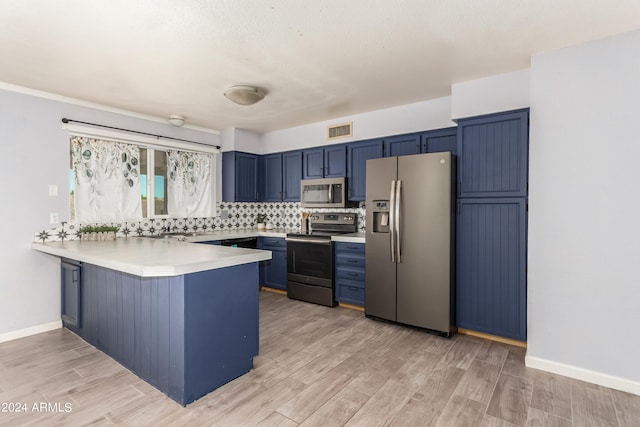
(349, 238)
(236, 234)
(153, 257)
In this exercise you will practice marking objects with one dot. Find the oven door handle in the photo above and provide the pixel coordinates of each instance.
(304, 240)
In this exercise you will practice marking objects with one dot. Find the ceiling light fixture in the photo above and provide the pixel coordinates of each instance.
(244, 95)
(176, 120)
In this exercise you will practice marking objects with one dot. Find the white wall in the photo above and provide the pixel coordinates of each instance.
(427, 115)
(35, 153)
(584, 214)
(502, 92)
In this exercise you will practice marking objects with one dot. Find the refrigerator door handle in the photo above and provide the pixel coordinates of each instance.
(392, 220)
(397, 223)
(330, 194)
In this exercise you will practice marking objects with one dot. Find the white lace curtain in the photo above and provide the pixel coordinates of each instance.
(107, 180)
(189, 188)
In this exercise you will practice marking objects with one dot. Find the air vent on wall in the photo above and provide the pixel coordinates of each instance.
(340, 131)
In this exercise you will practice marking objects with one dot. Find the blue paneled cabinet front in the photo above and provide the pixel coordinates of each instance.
(272, 177)
(282, 175)
(327, 162)
(240, 177)
(273, 272)
(402, 145)
(491, 266)
(358, 153)
(492, 155)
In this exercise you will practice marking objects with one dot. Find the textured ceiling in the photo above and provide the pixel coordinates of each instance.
(316, 60)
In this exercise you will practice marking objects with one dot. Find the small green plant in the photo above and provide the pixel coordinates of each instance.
(261, 218)
(98, 228)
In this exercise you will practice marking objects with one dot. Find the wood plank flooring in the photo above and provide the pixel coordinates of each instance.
(318, 366)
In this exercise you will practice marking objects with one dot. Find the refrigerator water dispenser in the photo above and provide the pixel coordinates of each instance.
(380, 216)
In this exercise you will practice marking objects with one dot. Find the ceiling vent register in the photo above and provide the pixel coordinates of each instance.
(340, 131)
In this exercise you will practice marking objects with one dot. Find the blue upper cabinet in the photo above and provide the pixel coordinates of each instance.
(272, 177)
(282, 175)
(402, 145)
(327, 162)
(240, 177)
(357, 155)
(335, 161)
(492, 152)
(313, 163)
(439, 140)
(291, 175)
(491, 261)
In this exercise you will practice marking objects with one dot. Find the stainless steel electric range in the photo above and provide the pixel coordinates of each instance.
(310, 274)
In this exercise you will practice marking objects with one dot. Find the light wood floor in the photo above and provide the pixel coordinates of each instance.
(317, 366)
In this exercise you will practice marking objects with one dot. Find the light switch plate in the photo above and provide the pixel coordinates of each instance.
(54, 218)
(53, 190)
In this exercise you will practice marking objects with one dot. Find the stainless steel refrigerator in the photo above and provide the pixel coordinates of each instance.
(410, 249)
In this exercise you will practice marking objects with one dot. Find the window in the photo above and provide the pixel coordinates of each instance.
(153, 161)
(171, 181)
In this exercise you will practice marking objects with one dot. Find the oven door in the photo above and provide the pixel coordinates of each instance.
(310, 261)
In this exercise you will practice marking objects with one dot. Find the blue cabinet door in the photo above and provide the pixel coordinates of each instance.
(402, 145)
(439, 140)
(313, 163)
(239, 177)
(491, 266)
(272, 178)
(291, 175)
(273, 272)
(358, 154)
(492, 153)
(335, 161)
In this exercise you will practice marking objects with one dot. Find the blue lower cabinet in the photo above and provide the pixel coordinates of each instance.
(349, 273)
(185, 335)
(273, 273)
(211, 242)
(491, 286)
(350, 292)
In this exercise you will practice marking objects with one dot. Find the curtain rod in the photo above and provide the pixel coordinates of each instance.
(65, 120)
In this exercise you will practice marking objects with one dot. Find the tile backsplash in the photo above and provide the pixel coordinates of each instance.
(229, 216)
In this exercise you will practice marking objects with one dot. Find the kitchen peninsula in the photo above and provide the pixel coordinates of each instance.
(182, 316)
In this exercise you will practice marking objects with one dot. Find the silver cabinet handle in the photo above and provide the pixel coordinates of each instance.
(330, 193)
(392, 220)
(398, 219)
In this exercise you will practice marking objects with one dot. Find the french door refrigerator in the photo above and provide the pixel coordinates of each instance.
(410, 250)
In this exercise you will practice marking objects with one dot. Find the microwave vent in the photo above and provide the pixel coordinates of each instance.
(340, 131)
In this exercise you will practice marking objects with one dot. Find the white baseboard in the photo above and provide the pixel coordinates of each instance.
(582, 374)
(21, 333)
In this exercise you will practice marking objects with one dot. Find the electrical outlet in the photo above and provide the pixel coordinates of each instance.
(53, 218)
(224, 214)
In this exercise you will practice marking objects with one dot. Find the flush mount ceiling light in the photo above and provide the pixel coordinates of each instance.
(176, 120)
(244, 95)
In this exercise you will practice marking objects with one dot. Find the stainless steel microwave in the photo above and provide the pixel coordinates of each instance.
(323, 193)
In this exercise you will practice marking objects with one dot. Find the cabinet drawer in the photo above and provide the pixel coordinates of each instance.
(273, 243)
(349, 247)
(350, 294)
(350, 259)
(356, 274)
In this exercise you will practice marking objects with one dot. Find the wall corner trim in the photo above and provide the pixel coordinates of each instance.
(582, 374)
(21, 333)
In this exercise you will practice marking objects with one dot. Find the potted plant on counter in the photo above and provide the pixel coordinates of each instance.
(261, 219)
(99, 232)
